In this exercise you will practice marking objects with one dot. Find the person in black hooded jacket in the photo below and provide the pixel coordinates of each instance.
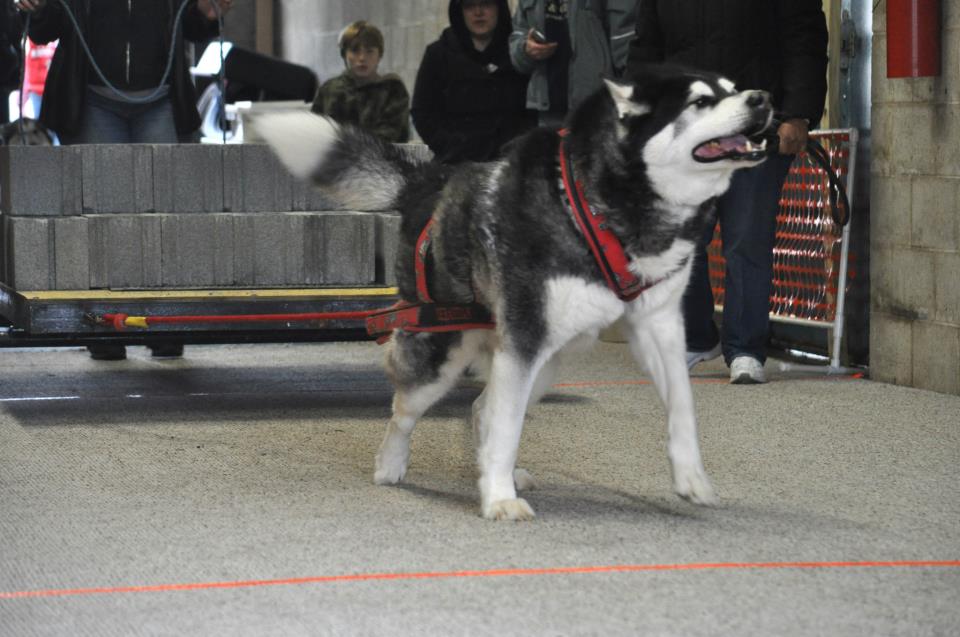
(468, 101)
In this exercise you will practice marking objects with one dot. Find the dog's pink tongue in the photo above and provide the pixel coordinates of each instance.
(722, 146)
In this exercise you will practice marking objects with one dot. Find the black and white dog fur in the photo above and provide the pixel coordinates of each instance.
(652, 154)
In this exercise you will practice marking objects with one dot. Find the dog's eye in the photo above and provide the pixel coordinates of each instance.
(703, 102)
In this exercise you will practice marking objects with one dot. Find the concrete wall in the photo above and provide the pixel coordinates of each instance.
(309, 32)
(915, 218)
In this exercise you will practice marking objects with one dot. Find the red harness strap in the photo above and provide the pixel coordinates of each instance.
(605, 246)
(428, 317)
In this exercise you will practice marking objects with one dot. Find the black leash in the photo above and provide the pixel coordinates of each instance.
(839, 203)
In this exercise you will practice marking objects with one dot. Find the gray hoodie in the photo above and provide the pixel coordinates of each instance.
(600, 34)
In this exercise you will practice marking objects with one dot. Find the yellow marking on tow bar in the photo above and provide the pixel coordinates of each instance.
(136, 321)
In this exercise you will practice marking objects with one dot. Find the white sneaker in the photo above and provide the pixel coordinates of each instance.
(698, 357)
(746, 370)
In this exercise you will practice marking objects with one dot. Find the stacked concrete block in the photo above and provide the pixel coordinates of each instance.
(172, 216)
(117, 178)
(188, 178)
(124, 251)
(254, 180)
(39, 181)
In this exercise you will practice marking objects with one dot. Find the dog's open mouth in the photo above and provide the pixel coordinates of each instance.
(735, 147)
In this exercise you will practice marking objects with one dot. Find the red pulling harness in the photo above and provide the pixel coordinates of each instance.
(428, 316)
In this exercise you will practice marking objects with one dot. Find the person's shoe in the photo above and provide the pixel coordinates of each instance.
(746, 370)
(698, 357)
(107, 352)
(166, 350)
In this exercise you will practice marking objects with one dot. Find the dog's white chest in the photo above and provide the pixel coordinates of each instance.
(575, 306)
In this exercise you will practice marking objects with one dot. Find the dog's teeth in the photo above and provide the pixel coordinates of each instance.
(763, 144)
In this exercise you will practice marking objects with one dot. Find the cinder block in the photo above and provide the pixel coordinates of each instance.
(39, 180)
(187, 247)
(346, 252)
(117, 178)
(199, 250)
(936, 349)
(125, 251)
(934, 213)
(891, 349)
(254, 180)
(71, 253)
(890, 223)
(29, 260)
(388, 233)
(902, 282)
(946, 149)
(947, 288)
(224, 251)
(269, 249)
(188, 177)
(244, 249)
(914, 131)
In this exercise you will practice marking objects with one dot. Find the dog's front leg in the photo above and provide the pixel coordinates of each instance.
(657, 342)
(501, 412)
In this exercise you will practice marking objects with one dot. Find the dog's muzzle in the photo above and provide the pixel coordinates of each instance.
(748, 145)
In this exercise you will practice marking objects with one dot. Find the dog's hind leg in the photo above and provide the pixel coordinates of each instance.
(423, 368)
(657, 342)
(501, 423)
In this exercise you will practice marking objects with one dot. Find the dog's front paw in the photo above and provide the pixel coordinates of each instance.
(692, 484)
(390, 467)
(515, 509)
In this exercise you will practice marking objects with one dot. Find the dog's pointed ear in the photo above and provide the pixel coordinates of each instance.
(623, 98)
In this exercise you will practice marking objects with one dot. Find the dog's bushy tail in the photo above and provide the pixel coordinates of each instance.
(354, 167)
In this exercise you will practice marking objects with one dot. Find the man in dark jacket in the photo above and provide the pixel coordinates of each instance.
(130, 41)
(468, 100)
(776, 45)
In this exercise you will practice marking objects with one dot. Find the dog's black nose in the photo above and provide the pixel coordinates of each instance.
(758, 98)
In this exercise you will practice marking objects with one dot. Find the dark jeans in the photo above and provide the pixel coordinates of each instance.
(109, 121)
(748, 219)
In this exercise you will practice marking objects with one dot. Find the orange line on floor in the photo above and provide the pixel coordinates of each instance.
(694, 380)
(513, 572)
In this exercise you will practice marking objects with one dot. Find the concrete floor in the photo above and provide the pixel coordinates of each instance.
(230, 492)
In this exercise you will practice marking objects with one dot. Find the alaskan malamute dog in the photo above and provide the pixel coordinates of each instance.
(650, 156)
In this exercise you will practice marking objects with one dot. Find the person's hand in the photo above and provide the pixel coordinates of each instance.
(209, 11)
(29, 5)
(793, 136)
(538, 51)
